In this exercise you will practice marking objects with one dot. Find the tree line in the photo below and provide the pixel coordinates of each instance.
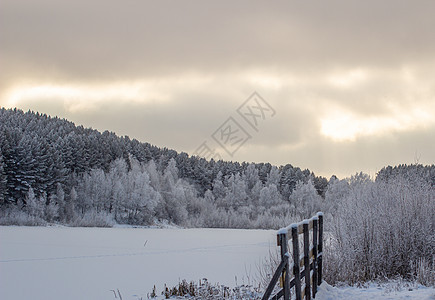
(54, 171)
(62, 165)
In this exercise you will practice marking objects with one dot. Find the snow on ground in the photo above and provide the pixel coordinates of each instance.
(327, 292)
(53, 263)
(87, 263)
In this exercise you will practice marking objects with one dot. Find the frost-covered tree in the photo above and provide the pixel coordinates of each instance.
(305, 199)
(209, 197)
(172, 205)
(96, 191)
(154, 175)
(40, 151)
(274, 176)
(69, 208)
(219, 190)
(269, 196)
(236, 195)
(51, 209)
(251, 176)
(117, 178)
(142, 198)
(104, 176)
(336, 192)
(34, 207)
(60, 201)
(176, 205)
(10, 165)
(380, 229)
(172, 170)
(255, 193)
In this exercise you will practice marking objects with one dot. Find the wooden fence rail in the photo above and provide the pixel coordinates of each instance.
(310, 262)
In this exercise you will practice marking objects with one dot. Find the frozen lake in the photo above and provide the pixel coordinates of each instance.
(87, 263)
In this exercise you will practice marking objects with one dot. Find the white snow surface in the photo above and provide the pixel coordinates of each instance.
(327, 292)
(87, 263)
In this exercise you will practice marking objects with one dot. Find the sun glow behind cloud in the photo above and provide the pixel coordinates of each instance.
(80, 97)
(343, 125)
(347, 79)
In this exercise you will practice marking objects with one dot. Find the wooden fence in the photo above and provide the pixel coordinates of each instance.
(306, 267)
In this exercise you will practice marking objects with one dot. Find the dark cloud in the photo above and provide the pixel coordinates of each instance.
(197, 61)
(107, 39)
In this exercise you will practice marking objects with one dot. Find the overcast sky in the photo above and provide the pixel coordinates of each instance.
(347, 86)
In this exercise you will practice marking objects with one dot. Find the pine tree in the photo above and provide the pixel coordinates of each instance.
(25, 175)
(11, 170)
(3, 181)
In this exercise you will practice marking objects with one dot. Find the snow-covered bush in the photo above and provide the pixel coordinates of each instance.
(423, 271)
(381, 229)
(19, 218)
(94, 219)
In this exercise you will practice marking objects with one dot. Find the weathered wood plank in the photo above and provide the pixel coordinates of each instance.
(302, 258)
(274, 280)
(299, 226)
(307, 260)
(296, 270)
(286, 272)
(314, 253)
(278, 295)
(320, 248)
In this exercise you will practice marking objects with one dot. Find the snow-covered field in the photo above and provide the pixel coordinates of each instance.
(389, 291)
(63, 263)
(87, 263)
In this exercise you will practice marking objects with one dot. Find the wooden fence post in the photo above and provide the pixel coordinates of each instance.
(296, 269)
(320, 215)
(285, 273)
(307, 259)
(312, 251)
(315, 233)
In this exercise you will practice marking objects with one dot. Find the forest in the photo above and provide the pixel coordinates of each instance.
(53, 172)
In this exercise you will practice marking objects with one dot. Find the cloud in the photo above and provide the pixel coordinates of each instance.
(107, 39)
(341, 125)
(352, 82)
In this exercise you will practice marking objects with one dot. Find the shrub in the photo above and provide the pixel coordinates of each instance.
(380, 230)
(94, 219)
